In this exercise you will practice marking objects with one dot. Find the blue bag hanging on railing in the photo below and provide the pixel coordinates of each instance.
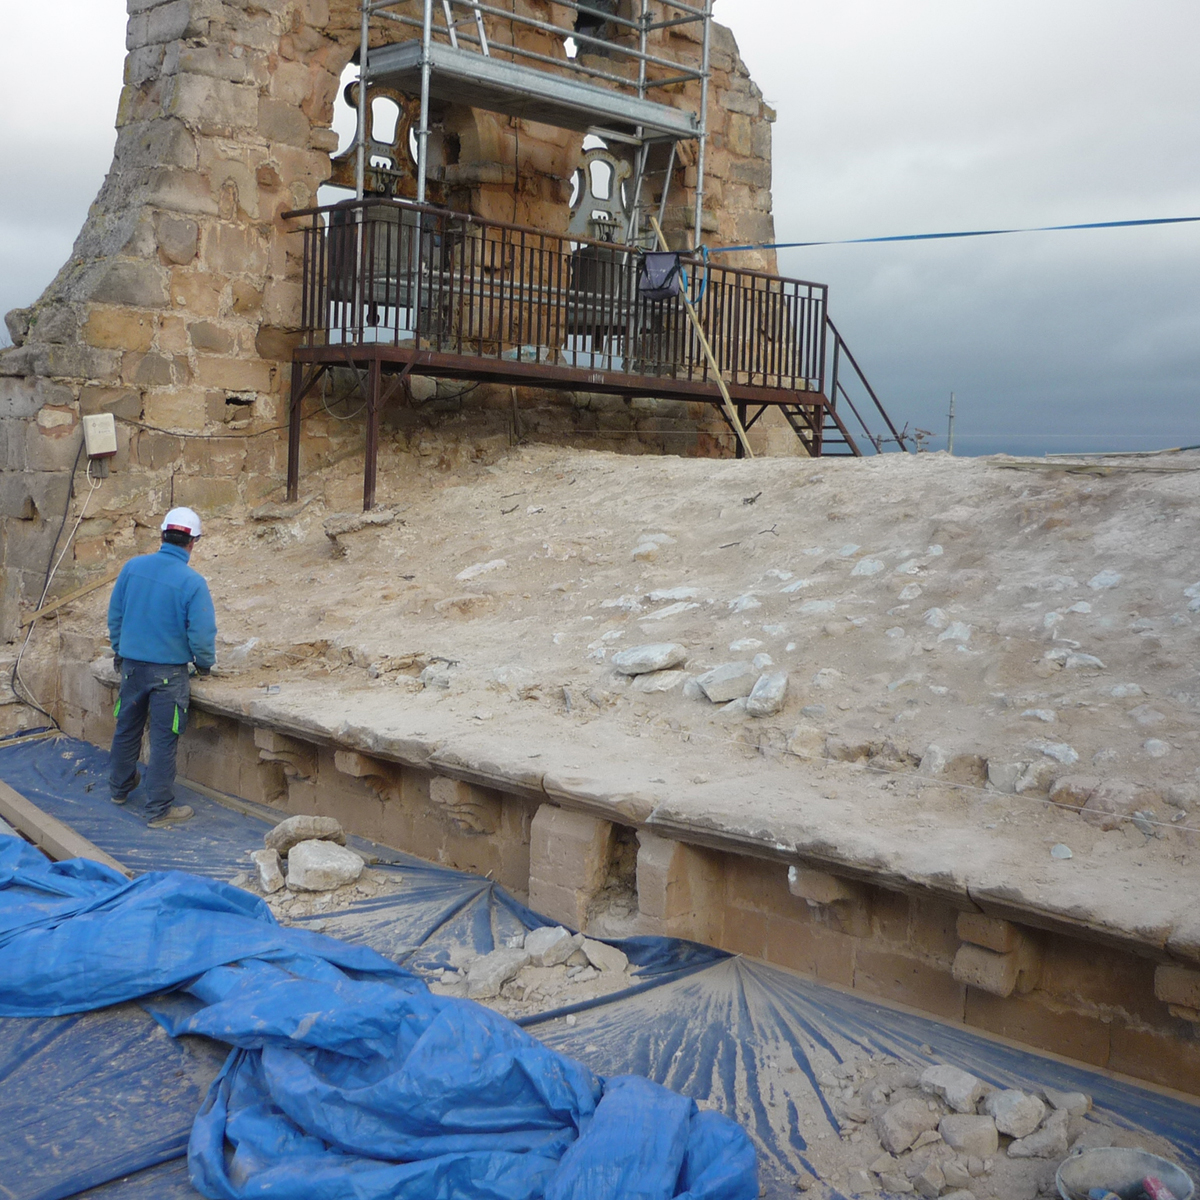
(661, 275)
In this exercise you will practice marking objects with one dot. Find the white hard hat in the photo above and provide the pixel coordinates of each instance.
(183, 520)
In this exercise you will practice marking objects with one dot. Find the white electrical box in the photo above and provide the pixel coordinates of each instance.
(100, 435)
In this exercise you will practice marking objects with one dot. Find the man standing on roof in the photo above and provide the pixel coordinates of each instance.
(160, 619)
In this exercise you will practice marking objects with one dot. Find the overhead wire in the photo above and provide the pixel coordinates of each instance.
(965, 233)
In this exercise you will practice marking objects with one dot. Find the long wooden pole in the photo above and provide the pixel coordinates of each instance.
(77, 594)
(730, 411)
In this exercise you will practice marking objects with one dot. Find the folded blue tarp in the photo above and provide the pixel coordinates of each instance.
(348, 1079)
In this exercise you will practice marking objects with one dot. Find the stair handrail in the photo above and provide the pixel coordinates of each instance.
(839, 348)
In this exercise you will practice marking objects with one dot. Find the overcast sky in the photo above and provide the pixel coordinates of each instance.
(894, 117)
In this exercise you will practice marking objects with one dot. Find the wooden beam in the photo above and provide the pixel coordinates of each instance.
(730, 411)
(48, 833)
(70, 597)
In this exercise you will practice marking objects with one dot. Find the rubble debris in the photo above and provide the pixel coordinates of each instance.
(270, 870)
(642, 660)
(729, 681)
(490, 972)
(303, 828)
(900, 1125)
(1050, 1141)
(551, 945)
(768, 695)
(321, 866)
(959, 1089)
(1015, 1113)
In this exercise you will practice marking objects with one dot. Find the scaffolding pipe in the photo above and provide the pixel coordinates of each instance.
(705, 72)
(423, 131)
(360, 151)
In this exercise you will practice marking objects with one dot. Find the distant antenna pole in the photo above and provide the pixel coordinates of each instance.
(950, 431)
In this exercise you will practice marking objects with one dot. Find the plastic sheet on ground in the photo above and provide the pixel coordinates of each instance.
(349, 1080)
(742, 1037)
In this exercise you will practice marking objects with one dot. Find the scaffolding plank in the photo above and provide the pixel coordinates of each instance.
(467, 77)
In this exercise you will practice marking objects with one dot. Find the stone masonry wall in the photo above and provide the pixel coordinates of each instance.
(176, 308)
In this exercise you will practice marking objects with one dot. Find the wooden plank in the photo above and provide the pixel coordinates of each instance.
(77, 594)
(48, 833)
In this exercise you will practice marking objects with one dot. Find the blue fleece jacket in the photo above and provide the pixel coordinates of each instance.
(161, 611)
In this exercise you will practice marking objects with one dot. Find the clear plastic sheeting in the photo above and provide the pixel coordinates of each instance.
(738, 1037)
(348, 1080)
(85, 1099)
(750, 1040)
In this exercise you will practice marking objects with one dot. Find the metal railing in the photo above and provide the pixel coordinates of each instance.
(844, 369)
(444, 283)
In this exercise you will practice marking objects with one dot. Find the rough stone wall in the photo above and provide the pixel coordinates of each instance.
(176, 308)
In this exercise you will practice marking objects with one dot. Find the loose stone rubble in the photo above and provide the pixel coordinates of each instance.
(943, 1133)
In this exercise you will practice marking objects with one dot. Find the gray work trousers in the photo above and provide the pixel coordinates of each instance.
(159, 692)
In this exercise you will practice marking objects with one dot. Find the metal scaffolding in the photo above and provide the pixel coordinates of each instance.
(456, 60)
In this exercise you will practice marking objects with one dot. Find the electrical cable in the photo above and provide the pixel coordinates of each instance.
(969, 233)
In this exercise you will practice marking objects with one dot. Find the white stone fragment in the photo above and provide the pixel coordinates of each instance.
(798, 586)
(321, 866)
(303, 828)
(745, 603)
(899, 1126)
(969, 1134)
(1062, 851)
(1156, 748)
(483, 568)
(605, 957)
(1016, 1113)
(762, 662)
(910, 592)
(730, 681)
(1104, 580)
(1075, 1104)
(1048, 715)
(1059, 751)
(672, 610)
(270, 870)
(551, 945)
(816, 607)
(677, 593)
(1048, 1142)
(960, 1089)
(489, 973)
(1076, 662)
(768, 695)
(641, 660)
(867, 566)
(659, 681)
(936, 618)
(744, 644)
(956, 631)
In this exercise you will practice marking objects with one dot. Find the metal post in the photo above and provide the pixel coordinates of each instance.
(950, 431)
(374, 379)
(360, 153)
(423, 131)
(643, 47)
(707, 71)
(294, 412)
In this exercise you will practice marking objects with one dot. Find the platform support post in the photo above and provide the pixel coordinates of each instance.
(374, 377)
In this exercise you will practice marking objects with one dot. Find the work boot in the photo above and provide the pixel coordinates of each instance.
(173, 816)
(121, 799)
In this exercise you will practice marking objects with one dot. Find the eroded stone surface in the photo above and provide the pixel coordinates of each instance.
(320, 866)
(303, 828)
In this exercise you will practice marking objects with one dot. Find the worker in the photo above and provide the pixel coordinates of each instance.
(160, 622)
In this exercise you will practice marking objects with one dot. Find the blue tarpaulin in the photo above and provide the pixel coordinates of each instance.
(348, 1080)
(738, 1036)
